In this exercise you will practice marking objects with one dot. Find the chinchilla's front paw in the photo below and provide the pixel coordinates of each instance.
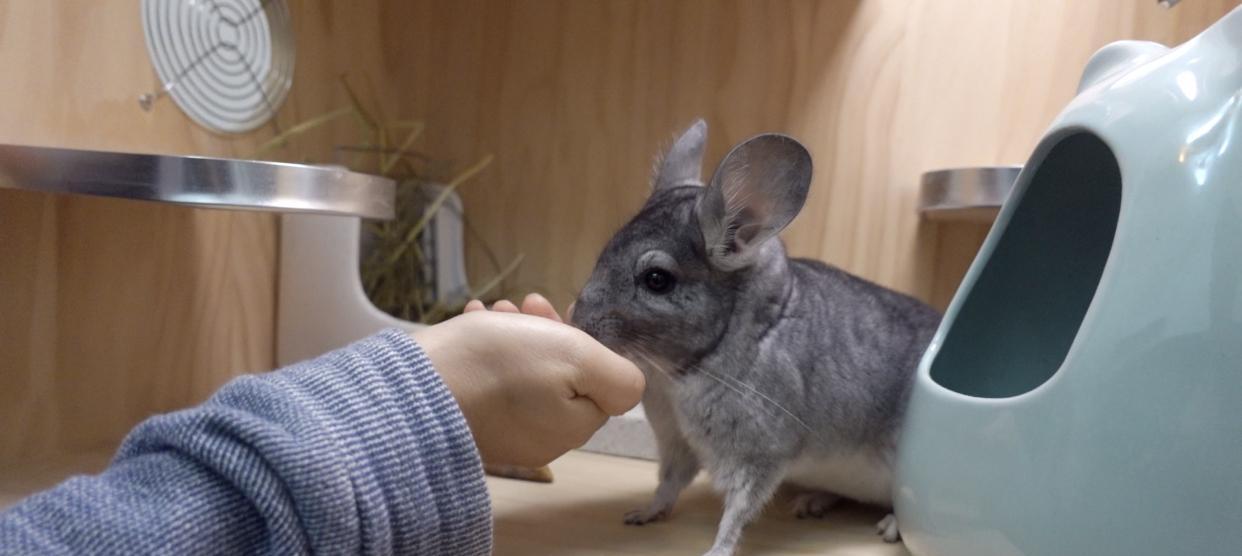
(643, 517)
(887, 528)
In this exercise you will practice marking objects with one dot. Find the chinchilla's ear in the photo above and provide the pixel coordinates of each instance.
(683, 163)
(757, 190)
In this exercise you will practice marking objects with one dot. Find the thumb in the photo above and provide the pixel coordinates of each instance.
(609, 380)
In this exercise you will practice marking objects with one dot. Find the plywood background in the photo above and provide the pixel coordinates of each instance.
(111, 310)
(575, 98)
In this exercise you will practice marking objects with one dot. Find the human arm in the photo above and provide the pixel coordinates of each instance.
(362, 450)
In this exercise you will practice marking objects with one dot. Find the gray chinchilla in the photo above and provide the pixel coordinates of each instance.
(761, 369)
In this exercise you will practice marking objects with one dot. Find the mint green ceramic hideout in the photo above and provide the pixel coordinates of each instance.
(1083, 395)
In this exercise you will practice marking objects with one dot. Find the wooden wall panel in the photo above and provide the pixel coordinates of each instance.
(575, 98)
(112, 310)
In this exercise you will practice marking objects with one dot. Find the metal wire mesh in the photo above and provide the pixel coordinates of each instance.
(227, 63)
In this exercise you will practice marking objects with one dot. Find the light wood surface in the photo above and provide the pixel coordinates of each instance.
(112, 310)
(580, 514)
(575, 98)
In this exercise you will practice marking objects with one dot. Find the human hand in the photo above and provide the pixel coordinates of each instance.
(534, 304)
(530, 387)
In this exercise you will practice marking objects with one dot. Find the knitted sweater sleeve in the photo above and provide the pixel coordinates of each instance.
(360, 451)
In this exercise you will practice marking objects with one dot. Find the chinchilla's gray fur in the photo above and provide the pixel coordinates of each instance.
(761, 369)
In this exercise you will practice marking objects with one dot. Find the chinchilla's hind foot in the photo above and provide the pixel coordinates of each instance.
(887, 528)
(814, 504)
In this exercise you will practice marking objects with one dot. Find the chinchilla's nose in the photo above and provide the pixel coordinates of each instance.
(578, 312)
(584, 310)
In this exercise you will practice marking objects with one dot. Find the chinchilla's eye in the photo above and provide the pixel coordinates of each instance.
(658, 280)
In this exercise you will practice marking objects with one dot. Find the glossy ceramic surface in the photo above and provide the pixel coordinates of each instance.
(1084, 393)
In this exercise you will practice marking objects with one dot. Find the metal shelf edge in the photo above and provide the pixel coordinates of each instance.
(198, 181)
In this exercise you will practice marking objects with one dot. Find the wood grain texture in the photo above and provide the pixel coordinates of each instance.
(113, 310)
(575, 99)
(581, 515)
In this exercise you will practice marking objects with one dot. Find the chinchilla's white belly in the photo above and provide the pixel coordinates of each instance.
(858, 476)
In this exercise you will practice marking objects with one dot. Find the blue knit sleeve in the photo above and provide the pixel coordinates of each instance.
(361, 451)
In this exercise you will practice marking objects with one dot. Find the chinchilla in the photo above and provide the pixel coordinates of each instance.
(761, 368)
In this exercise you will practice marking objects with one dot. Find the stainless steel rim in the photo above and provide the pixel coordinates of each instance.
(966, 190)
(198, 181)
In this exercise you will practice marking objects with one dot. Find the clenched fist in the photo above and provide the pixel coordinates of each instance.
(531, 388)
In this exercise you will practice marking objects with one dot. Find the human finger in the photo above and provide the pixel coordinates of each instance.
(505, 306)
(539, 306)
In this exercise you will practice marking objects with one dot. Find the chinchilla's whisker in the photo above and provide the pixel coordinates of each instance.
(770, 405)
(639, 340)
(728, 382)
(651, 361)
(722, 380)
(646, 359)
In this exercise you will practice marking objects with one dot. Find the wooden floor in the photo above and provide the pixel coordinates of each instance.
(581, 514)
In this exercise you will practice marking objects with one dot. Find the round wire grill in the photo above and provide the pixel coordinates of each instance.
(227, 63)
